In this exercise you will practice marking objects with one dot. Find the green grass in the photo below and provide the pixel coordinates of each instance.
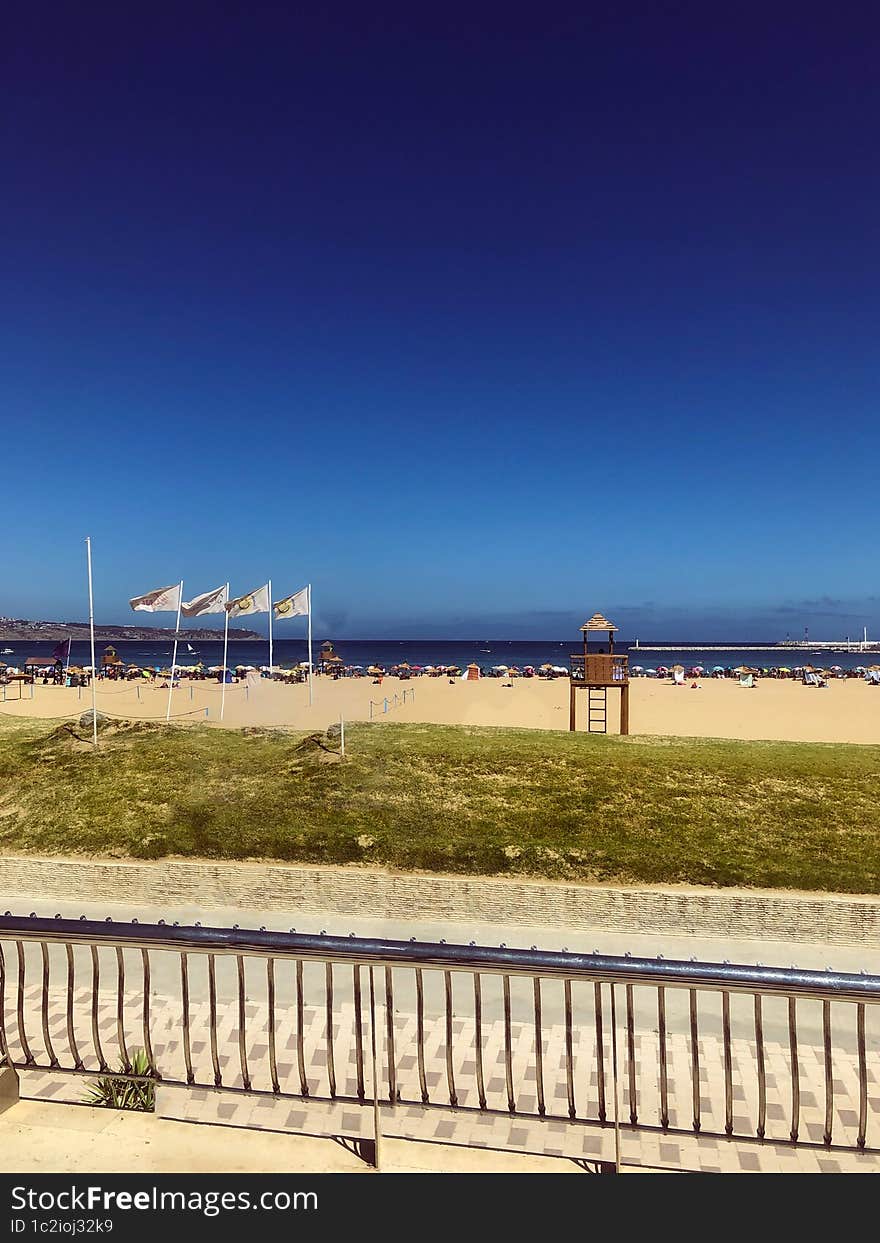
(466, 800)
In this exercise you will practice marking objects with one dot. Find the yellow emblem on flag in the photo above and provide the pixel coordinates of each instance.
(282, 608)
(244, 603)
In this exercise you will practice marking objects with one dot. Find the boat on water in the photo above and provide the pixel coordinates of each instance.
(6, 651)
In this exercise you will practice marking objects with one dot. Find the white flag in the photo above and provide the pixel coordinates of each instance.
(296, 605)
(162, 600)
(209, 602)
(254, 602)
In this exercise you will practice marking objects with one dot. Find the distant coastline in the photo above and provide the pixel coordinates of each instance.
(12, 631)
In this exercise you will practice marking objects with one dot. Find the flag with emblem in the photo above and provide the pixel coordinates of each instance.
(296, 605)
(254, 602)
(209, 602)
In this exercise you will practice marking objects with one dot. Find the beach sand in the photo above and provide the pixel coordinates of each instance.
(844, 711)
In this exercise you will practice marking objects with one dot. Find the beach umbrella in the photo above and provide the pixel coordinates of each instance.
(717, 668)
(698, 669)
(638, 669)
(837, 668)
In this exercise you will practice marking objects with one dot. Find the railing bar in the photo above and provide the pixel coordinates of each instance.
(450, 1076)
(300, 1034)
(762, 1071)
(728, 1064)
(795, 1071)
(863, 1076)
(569, 1051)
(600, 1051)
(328, 994)
(671, 974)
(44, 1007)
(508, 1049)
(478, 1038)
(29, 1059)
(539, 1046)
(270, 993)
(184, 1005)
(148, 1044)
(120, 1004)
(420, 1034)
(829, 1072)
(389, 1036)
(631, 1056)
(358, 1030)
(71, 985)
(212, 1021)
(5, 1054)
(664, 1066)
(695, 1058)
(242, 1024)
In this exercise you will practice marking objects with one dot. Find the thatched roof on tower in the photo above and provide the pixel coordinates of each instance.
(598, 622)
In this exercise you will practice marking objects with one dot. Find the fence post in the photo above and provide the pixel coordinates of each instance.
(385, 709)
(342, 735)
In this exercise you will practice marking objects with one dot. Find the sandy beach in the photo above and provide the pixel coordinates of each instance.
(844, 711)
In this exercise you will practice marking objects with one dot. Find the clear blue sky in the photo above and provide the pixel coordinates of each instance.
(479, 317)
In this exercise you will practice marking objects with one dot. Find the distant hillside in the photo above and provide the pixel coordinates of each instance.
(29, 631)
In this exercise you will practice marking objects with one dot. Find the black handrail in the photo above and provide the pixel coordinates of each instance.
(670, 973)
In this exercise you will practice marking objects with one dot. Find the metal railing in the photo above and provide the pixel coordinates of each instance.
(429, 1013)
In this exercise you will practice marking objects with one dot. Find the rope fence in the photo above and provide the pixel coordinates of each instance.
(384, 705)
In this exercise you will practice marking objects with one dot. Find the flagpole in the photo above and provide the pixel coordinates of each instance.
(69, 646)
(310, 646)
(174, 657)
(271, 610)
(225, 649)
(92, 632)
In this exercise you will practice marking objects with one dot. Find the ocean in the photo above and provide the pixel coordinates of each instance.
(485, 653)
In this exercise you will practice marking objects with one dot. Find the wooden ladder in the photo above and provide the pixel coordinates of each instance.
(597, 710)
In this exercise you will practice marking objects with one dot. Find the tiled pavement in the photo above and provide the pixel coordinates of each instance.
(466, 1124)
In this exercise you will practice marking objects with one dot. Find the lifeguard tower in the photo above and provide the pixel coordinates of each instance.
(595, 670)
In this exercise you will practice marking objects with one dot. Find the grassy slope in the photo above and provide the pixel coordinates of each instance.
(457, 800)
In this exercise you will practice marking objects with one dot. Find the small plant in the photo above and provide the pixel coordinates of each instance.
(116, 1092)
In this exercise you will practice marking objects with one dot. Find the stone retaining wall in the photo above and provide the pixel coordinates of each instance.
(374, 894)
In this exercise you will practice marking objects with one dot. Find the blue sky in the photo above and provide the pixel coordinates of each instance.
(479, 319)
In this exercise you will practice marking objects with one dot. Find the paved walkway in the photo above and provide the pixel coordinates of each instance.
(553, 1135)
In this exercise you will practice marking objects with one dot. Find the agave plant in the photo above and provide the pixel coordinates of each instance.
(117, 1092)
